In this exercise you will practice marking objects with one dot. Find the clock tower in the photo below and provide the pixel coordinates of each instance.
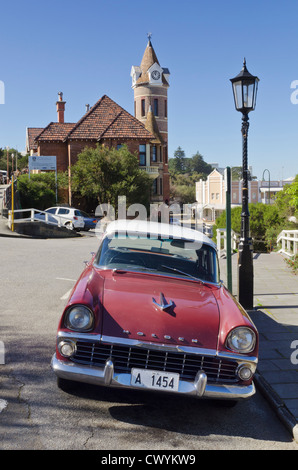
(150, 83)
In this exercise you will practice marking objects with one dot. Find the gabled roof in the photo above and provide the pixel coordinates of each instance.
(107, 120)
(55, 131)
(32, 132)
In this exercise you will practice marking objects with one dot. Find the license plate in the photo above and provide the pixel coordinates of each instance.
(156, 380)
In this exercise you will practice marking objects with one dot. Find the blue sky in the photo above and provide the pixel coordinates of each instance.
(86, 49)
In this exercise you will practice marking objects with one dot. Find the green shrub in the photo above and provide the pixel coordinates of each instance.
(38, 192)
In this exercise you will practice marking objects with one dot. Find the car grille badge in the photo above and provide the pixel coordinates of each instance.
(163, 305)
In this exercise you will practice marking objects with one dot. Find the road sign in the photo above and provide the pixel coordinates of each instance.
(44, 162)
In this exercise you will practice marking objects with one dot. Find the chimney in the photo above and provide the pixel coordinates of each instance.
(60, 107)
(87, 107)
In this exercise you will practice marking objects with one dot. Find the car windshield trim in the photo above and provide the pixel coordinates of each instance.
(155, 272)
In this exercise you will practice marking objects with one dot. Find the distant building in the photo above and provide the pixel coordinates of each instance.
(107, 123)
(211, 194)
(150, 83)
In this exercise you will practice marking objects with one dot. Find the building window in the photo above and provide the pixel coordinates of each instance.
(154, 186)
(155, 103)
(142, 154)
(166, 108)
(160, 186)
(143, 108)
(165, 154)
(119, 146)
(154, 154)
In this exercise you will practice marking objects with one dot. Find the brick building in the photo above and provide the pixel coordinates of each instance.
(109, 124)
(150, 83)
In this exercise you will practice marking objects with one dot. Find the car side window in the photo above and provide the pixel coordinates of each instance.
(51, 211)
(63, 211)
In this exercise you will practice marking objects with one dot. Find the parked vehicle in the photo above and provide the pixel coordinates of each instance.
(3, 177)
(67, 217)
(90, 222)
(174, 221)
(150, 312)
(45, 218)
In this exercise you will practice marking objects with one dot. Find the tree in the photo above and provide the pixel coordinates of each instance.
(292, 192)
(265, 222)
(177, 164)
(102, 174)
(39, 192)
(18, 158)
(198, 164)
(287, 200)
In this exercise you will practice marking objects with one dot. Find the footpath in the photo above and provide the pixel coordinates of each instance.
(275, 315)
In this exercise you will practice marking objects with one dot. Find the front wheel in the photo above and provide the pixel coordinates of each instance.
(69, 226)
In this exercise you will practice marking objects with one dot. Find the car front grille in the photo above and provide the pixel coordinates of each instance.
(126, 357)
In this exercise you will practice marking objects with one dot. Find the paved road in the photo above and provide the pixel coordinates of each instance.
(35, 278)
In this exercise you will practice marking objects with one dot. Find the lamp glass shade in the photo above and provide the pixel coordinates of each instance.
(245, 88)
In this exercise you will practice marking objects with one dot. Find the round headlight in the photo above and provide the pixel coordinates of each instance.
(67, 348)
(241, 340)
(79, 318)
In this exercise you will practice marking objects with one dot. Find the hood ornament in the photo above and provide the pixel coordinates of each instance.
(163, 303)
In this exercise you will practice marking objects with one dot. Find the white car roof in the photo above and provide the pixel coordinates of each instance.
(156, 228)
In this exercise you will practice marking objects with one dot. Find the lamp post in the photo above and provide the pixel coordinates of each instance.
(7, 155)
(245, 93)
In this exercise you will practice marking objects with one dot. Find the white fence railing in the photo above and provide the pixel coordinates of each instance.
(221, 240)
(289, 242)
(38, 216)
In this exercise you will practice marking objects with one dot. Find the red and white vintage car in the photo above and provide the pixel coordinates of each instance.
(149, 312)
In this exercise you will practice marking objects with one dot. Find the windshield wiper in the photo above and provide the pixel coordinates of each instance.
(182, 272)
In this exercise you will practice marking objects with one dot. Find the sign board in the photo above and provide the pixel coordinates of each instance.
(43, 163)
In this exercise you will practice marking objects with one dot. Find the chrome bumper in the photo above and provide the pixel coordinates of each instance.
(107, 377)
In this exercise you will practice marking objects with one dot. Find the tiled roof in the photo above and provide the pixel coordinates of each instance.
(32, 132)
(55, 131)
(151, 126)
(107, 120)
(149, 59)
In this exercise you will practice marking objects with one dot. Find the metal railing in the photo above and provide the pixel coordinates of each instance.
(13, 218)
(221, 240)
(289, 242)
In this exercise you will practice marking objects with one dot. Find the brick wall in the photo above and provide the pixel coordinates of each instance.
(59, 149)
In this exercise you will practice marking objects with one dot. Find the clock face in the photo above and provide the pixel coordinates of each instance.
(155, 75)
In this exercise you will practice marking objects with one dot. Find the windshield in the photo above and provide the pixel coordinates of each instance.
(173, 257)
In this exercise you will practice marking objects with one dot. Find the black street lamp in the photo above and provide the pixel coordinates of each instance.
(245, 88)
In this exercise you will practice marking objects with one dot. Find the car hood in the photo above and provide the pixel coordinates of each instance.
(130, 310)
